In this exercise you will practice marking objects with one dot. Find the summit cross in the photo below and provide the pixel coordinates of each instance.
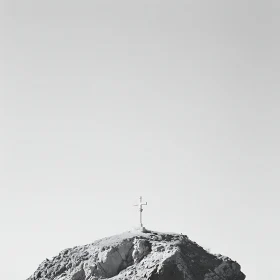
(141, 209)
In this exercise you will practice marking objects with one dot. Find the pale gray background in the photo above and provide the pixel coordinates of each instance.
(102, 101)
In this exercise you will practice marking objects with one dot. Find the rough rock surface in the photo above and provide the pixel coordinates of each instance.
(139, 255)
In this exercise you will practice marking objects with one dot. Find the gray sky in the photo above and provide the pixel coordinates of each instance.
(103, 101)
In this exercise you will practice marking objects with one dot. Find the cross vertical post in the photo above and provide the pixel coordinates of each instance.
(140, 205)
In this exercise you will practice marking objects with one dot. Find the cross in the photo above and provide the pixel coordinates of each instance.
(141, 209)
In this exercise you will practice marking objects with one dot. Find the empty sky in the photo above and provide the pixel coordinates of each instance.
(103, 101)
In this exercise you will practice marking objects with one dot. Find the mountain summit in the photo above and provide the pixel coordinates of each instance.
(139, 255)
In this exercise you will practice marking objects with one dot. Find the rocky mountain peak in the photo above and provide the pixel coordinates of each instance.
(139, 255)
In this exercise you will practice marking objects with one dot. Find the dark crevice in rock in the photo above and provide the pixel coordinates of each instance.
(167, 272)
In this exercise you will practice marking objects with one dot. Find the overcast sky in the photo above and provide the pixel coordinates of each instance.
(103, 101)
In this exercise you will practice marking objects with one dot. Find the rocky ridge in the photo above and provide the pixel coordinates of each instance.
(139, 255)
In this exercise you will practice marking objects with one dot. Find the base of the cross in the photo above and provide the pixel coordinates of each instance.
(141, 229)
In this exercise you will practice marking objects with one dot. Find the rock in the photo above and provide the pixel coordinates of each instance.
(139, 255)
(141, 248)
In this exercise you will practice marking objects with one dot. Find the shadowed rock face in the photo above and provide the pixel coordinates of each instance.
(139, 255)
